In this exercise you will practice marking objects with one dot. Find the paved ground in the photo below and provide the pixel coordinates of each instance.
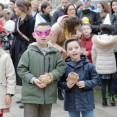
(58, 111)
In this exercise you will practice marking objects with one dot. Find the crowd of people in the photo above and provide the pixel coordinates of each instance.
(39, 51)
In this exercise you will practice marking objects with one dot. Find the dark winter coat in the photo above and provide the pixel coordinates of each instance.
(77, 99)
(20, 44)
(87, 44)
(47, 18)
(113, 19)
(56, 15)
(94, 19)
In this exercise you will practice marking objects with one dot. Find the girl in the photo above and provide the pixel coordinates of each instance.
(7, 81)
(46, 9)
(103, 58)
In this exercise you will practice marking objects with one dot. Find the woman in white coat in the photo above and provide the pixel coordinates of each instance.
(7, 81)
(103, 58)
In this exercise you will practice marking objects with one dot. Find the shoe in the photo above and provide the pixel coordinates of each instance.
(104, 102)
(21, 105)
(112, 101)
(60, 96)
(19, 101)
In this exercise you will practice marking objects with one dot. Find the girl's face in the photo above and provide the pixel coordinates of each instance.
(99, 6)
(71, 11)
(114, 7)
(17, 10)
(47, 10)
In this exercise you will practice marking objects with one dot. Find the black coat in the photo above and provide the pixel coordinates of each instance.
(79, 99)
(20, 44)
(94, 19)
(56, 15)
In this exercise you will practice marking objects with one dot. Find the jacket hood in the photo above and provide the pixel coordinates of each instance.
(83, 58)
(61, 20)
(1, 51)
(33, 47)
(104, 41)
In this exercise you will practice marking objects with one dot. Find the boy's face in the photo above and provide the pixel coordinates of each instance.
(42, 35)
(73, 50)
(86, 30)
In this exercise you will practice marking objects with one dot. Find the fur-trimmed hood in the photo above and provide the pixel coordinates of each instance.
(104, 41)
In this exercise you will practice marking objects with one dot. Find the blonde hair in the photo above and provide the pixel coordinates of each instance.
(7, 13)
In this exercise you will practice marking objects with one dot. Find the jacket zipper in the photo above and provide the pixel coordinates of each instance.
(44, 88)
(48, 64)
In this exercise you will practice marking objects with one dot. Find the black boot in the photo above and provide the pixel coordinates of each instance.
(104, 102)
(112, 101)
(60, 96)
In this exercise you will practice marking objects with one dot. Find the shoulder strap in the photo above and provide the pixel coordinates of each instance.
(24, 36)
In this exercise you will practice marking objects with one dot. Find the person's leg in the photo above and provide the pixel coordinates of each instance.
(103, 91)
(103, 88)
(31, 110)
(45, 110)
(87, 113)
(1, 115)
(74, 114)
(111, 91)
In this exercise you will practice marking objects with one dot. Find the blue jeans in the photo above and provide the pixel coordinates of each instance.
(84, 113)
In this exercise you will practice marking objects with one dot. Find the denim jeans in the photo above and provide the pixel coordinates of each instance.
(84, 113)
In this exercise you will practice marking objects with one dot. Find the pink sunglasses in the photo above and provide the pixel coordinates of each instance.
(41, 33)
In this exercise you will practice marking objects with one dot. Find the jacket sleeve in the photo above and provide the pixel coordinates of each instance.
(94, 55)
(54, 18)
(93, 78)
(96, 26)
(23, 68)
(62, 82)
(10, 76)
(55, 35)
(60, 67)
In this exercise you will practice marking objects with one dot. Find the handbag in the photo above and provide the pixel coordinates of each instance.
(24, 36)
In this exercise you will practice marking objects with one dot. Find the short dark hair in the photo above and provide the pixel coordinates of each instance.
(106, 29)
(71, 40)
(2, 6)
(42, 24)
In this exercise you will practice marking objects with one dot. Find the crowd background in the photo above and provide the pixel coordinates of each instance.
(66, 21)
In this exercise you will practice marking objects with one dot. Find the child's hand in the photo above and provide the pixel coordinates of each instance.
(81, 84)
(85, 53)
(39, 83)
(8, 99)
(70, 84)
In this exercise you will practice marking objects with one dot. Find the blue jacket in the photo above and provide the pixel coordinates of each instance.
(77, 99)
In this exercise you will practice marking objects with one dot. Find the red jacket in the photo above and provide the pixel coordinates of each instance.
(87, 44)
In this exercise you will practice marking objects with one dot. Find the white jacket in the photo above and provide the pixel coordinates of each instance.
(103, 56)
(7, 77)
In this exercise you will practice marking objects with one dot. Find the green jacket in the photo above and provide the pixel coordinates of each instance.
(33, 64)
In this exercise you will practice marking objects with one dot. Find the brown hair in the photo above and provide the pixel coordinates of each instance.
(24, 6)
(111, 6)
(70, 23)
(71, 40)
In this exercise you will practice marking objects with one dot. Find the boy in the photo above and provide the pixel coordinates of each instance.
(78, 96)
(86, 40)
(40, 58)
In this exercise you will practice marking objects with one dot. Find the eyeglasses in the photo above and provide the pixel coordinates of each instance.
(41, 33)
(86, 0)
